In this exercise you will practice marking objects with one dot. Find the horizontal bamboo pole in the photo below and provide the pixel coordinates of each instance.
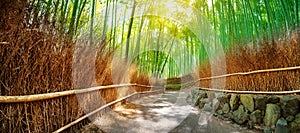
(144, 92)
(252, 92)
(93, 112)
(45, 96)
(38, 97)
(4, 43)
(245, 73)
(252, 72)
(144, 86)
(99, 109)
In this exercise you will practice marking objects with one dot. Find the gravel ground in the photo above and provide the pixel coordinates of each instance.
(162, 113)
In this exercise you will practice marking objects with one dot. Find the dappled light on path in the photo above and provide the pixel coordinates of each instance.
(150, 114)
(162, 113)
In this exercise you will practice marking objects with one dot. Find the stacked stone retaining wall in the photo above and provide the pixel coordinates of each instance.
(271, 113)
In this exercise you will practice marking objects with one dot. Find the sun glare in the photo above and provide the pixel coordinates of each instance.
(174, 6)
(209, 3)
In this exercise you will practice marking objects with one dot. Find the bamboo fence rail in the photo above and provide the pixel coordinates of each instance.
(45, 96)
(251, 72)
(243, 74)
(39, 97)
(252, 92)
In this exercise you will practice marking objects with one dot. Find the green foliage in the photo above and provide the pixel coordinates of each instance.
(234, 22)
(173, 86)
(66, 16)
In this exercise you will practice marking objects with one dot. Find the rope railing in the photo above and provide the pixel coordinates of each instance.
(45, 96)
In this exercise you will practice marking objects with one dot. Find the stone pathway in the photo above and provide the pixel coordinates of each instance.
(162, 113)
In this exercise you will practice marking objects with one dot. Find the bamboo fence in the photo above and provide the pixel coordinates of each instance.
(38, 97)
(244, 74)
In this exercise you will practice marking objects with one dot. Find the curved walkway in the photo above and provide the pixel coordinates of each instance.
(162, 113)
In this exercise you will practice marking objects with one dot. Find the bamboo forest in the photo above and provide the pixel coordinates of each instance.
(150, 66)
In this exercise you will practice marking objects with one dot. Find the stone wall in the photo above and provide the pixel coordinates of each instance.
(271, 113)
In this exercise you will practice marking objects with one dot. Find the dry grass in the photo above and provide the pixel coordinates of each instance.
(281, 53)
(139, 78)
(35, 62)
(34, 68)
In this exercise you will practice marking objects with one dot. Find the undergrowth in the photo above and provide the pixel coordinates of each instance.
(34, 61)
(280, 53)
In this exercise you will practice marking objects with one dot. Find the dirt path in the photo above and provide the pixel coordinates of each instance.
(163, 113)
